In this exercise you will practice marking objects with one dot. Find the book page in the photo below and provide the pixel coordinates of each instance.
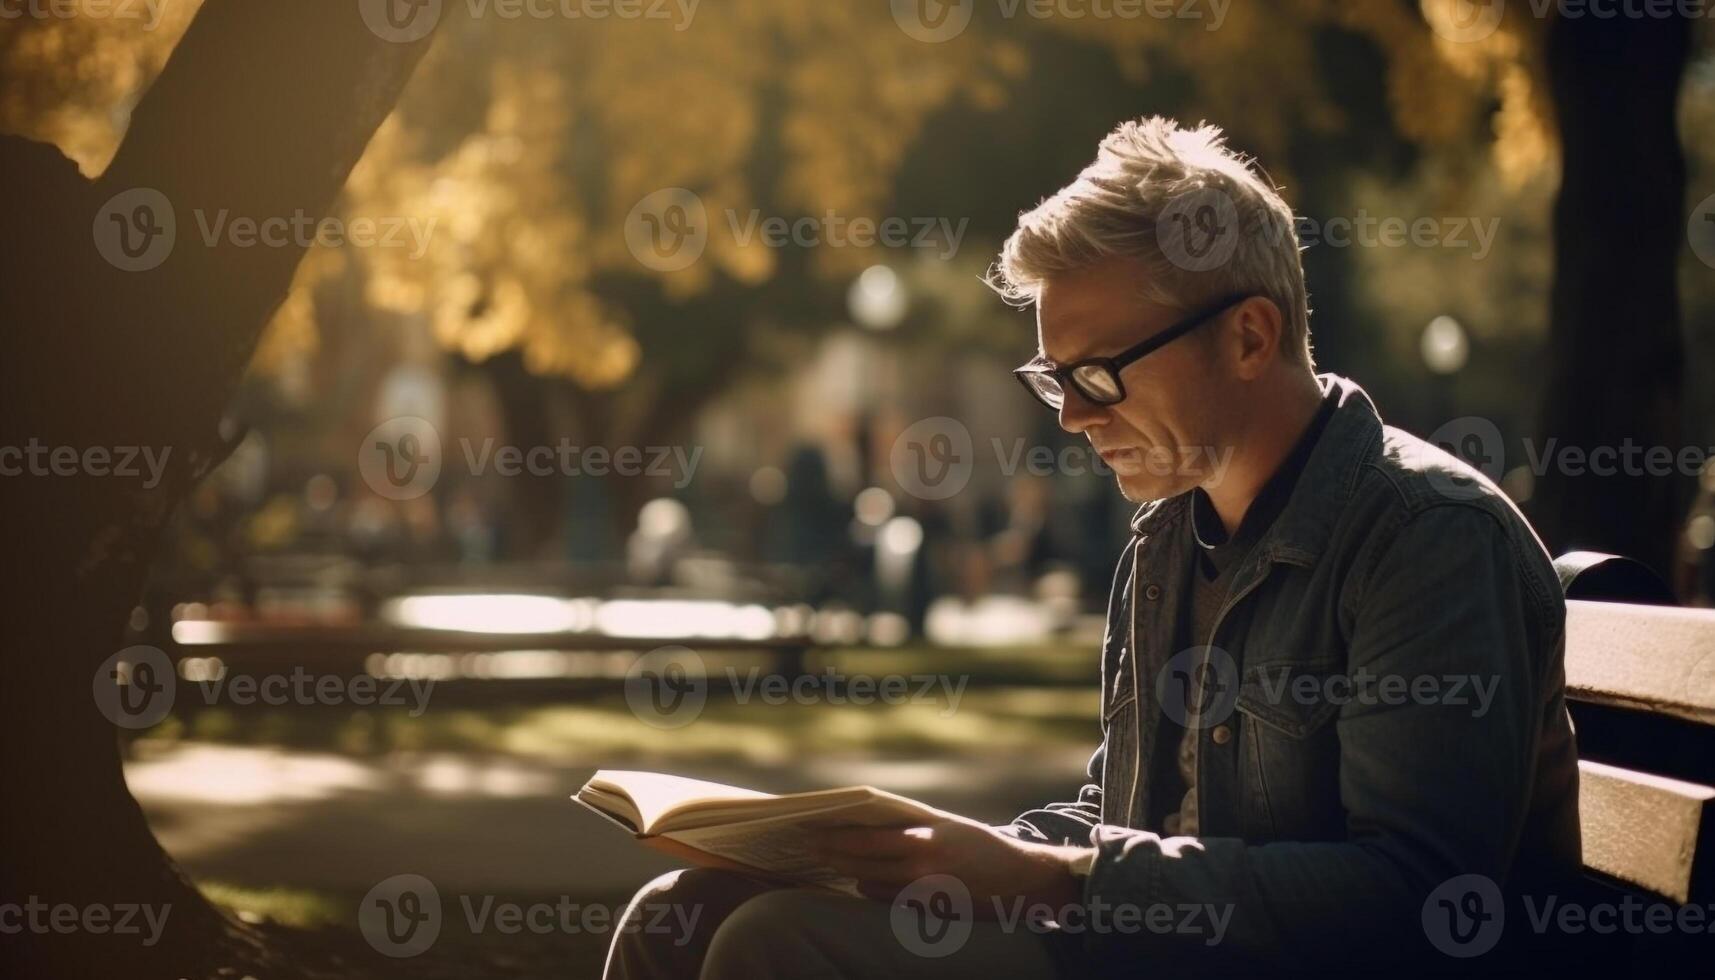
(783, 846)
(784, 850)
(657, 803)
(653, 795)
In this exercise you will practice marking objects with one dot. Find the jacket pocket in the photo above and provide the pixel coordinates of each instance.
(1291, 699)
(1289, 765)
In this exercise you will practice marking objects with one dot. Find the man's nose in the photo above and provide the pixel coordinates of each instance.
(1079, 414)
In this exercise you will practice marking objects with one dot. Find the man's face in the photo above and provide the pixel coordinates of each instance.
(1164, 438)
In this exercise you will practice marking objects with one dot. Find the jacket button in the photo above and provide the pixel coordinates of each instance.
(1153, 592)
(1222, 734)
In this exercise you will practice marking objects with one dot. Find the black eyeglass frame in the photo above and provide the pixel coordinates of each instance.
(1064, 374)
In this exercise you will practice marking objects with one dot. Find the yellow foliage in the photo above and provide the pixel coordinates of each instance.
(522, 146)
(72, 81)
(525, 222)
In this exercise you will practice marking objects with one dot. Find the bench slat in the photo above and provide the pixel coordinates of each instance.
(1647, 658)
(1649, 831)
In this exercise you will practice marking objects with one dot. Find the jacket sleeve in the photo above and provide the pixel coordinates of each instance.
(1072, 822)
(1065, 823)
(1431, 790)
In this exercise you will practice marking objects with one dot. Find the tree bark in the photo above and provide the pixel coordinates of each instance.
(261, 112)
(535, 502)
(1615, 349)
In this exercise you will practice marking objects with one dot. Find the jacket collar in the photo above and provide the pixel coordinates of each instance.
(1301, 531)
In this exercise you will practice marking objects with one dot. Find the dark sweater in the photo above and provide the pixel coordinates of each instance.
(1209, 579)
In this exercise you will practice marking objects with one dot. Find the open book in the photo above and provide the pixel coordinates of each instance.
(725, 826)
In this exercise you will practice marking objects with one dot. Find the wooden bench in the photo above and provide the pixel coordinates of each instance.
(1641, 680)
(1640, 684)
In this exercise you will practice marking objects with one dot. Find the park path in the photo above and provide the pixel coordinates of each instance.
(268, 817)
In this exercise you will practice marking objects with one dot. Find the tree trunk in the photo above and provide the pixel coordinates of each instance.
(261, 112)
(1615, 348)
(534, 503)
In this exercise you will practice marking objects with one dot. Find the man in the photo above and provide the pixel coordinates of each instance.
(1332, 679)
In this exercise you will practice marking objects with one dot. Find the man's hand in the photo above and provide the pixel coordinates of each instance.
(988, 863)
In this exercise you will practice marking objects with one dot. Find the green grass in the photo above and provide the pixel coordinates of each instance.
(288, 906)
(988, 719)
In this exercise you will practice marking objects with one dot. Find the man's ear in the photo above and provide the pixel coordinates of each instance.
(1258, 325)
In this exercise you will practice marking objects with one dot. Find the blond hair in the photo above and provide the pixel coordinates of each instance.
(1153, 187)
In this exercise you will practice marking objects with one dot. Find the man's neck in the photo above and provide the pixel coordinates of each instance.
(1273, 430)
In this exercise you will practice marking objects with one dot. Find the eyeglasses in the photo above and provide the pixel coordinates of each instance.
(1097, 379)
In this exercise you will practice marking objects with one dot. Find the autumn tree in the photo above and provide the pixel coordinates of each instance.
(799, 110)
(261, 110)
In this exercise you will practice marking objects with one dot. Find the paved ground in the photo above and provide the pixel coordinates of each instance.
(270, 825)
(292, 816)
(266, 817)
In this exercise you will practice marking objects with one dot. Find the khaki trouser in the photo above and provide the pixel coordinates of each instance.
(745, 928)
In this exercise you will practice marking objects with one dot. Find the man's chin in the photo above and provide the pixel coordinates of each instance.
(1143, 488)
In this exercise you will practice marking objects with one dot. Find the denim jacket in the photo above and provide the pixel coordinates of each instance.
(1348, 760)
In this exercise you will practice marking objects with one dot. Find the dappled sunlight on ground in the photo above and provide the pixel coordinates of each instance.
(332, 802)
(459, 776)
(252, 776)
(604, 732)
(248, 776)
(293, 814)
(482, 821)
